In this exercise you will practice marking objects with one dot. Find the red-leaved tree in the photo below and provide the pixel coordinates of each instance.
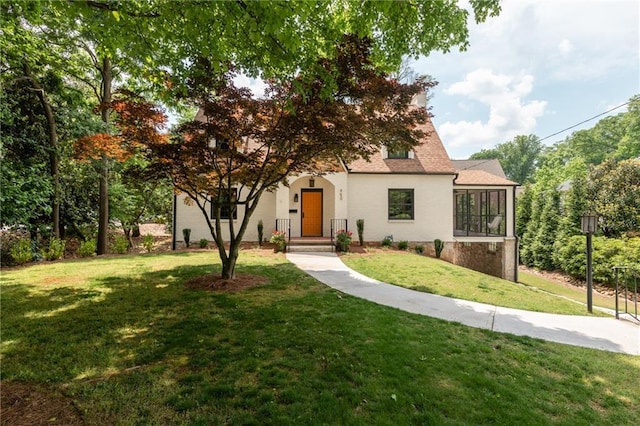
(241, 145)
(137, 124)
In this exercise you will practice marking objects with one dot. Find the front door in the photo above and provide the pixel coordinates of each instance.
(311, 207)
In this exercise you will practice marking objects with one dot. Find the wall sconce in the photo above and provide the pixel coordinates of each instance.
(295, 198)
(312, 182)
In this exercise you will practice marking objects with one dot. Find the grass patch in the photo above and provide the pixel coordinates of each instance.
(577, 294)
(130, 344)
(439, 277)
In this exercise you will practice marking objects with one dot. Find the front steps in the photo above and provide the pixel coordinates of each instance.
(310, 245)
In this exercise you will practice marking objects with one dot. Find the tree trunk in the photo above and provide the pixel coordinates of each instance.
(229, 265)
(103, 205)
(54, 158)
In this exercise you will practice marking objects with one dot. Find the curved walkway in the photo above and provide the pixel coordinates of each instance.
(606, 334)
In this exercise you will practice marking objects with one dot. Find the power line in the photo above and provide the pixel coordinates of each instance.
(585, 121)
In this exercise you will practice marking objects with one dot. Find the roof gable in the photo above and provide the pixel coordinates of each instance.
(430, 157)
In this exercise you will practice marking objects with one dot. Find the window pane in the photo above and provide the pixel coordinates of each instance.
(225, 206)
(400, 204)
(398, 154)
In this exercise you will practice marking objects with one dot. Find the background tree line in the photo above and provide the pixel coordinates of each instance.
(596, 170)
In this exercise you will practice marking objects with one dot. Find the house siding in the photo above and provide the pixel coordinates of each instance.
(433, 210)
(190, 216)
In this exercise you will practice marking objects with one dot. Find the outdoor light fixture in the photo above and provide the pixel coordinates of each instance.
(589, 227)
(295, 198)
(589, 223)
(312, 182)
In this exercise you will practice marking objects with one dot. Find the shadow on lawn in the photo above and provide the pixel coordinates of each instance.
(292, 349)
(69, 334)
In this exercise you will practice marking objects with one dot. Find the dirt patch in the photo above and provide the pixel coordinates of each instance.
(214, 282)
(24, 404)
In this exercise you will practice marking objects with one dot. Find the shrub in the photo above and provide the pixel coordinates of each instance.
(607, 253)
(148, 242)
(203, 243)
(186, 233)
(419, 249)
(8, 238)
(55, 250)
(279, 239)
(260, 232)
(87, 248)
(387, 241)
(438, 245)
(120, 244)
(21, 252)
(360, 225)
(403, 245)
(343, 240)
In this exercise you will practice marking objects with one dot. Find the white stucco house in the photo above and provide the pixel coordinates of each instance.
(418, 196)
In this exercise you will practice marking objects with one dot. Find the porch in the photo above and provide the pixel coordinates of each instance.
(312, 206)
(311, 243)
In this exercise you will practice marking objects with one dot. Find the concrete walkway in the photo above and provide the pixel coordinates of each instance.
(606, 334)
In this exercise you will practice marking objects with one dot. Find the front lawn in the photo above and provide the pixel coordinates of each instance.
(436, 276)
(126, 342)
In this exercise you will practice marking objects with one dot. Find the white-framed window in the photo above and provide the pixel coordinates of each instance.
(399, 154)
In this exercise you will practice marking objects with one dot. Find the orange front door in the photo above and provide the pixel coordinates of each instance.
(311, 212)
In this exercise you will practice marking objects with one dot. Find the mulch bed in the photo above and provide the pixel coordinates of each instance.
(23, 404)
(214, 282)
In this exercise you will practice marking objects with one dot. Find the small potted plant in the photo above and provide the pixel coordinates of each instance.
(278, 238)
(343, 240)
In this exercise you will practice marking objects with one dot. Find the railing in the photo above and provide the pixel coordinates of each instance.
(284, 225)
(337, 225)
(627, 287)
(479, 225)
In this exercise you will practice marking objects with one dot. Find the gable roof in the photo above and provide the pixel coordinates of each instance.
(429, 157)
(481, 172)
(491, 166)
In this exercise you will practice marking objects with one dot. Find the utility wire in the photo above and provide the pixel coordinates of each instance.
(585, 121)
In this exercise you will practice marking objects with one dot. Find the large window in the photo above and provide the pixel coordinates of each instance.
(401, 204)
(480, 212)
(226, 207)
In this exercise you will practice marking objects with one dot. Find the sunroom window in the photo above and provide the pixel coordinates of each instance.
(480, 212)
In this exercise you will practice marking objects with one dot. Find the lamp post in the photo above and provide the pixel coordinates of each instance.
(589, 226)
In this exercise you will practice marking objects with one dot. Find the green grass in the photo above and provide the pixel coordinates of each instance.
(577, 294)
(130, 344)
(439, 277)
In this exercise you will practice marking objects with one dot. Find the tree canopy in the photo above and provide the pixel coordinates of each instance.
(161, 38)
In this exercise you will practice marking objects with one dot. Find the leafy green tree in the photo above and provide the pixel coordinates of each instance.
(545, 236)
(524, 205)
(518, 157)
(271, 39)
(614, 188)
(629, 146)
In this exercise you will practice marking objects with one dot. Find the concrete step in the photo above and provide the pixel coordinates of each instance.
(310, 248)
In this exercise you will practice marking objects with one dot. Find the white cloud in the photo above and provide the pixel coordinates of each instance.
(256, 86)
(565, 47)
(509, 114)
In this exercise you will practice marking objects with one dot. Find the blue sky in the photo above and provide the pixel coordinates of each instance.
(539, 67)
